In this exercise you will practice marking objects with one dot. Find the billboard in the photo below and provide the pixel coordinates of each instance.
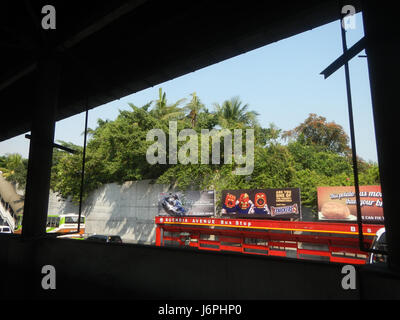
(284, 203)
(339, 204)
(188, 203)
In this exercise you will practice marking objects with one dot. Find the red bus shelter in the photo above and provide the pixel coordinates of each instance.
(335, 242)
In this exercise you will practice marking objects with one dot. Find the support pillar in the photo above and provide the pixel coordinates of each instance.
(382, 48)
(41, 149)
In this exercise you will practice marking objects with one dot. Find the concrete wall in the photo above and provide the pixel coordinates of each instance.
(127, 210)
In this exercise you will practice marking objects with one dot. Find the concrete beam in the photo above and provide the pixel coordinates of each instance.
(41, 149)
(382, 47)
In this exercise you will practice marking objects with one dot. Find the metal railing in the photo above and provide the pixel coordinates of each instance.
(6, 215)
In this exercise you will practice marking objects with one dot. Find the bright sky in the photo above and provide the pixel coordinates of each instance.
(280, 81)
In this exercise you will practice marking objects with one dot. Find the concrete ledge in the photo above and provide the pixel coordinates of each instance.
(87, 270)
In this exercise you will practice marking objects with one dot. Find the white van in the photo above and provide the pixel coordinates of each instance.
(5, 229)
(379, 243)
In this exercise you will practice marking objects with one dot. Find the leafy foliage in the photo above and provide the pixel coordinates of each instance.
(14, 169)
(316, 131)
(233, 114)
(317, 152)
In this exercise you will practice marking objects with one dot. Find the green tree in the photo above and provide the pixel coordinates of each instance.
(316, 131)
(194, 107)
(164, 111)
(324, 162)
(370, 175)
(14, 169)
(205, 120)
(267, 136)
(316, 154)
(116, 152)
(273, 167)
(232, 113)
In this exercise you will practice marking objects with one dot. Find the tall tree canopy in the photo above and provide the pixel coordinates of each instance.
(316, 131)
(164, 111)
(233, 113)
(14, 169)
(316, 154)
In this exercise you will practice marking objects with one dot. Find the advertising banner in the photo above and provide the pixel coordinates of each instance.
(284, 203)
(188, 203)
(339, 204)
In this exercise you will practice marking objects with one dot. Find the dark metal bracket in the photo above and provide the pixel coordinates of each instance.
(343, 60)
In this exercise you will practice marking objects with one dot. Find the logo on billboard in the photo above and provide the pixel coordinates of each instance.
(262, 203)
(230, 201)
(188, 203)
(260, 200)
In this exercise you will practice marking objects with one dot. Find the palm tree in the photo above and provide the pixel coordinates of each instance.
(233, 113)
(194, 107)
(164, 111)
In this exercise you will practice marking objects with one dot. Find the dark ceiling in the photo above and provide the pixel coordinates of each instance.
(112, 49)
